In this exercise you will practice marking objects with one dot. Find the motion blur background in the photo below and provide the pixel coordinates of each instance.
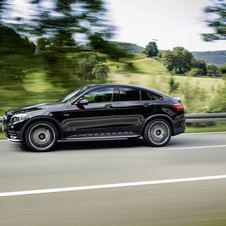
(49, 48)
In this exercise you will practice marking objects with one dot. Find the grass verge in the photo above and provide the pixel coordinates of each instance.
(205, 129)
(2, 135)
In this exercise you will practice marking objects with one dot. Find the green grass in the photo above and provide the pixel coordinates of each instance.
(2, 135)
(197, 93)
(152, 73)
(205, 129)
(212, 219)
(147, 72)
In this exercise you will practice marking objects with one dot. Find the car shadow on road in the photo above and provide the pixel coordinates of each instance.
(99, 144)
(89, 145)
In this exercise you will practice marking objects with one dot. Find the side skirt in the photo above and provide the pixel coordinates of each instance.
(101, 136)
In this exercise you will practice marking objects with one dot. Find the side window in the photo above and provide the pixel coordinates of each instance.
(100, 95)
(155, 96)
(144, 95)
(128, 94)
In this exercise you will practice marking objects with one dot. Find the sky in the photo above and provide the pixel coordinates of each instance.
(170, 23)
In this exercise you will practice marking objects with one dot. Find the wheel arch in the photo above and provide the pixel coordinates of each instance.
(37, 119)
(164, 117)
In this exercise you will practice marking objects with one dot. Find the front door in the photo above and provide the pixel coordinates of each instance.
(97, 118)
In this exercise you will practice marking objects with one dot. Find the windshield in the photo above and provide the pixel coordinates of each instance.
(74, 94)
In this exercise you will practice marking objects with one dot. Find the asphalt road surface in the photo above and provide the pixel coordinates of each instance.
(113, 182)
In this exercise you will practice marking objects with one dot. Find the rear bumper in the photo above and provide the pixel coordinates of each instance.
(179, 126)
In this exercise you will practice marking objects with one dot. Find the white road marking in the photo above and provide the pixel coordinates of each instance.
(203, 133)
(119, 185)
(199, 147)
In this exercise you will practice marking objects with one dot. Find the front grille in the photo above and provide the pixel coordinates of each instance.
(6, 119)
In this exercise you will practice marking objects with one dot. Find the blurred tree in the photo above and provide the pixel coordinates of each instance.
(168, 59)
(194, 72)
(179, 59)
(98, 43)
(15, 54)
(129, 47)
(213, 70)
(16, 58)
(200, 64)
(173, 85)
(61, 25)
(60, 20)
(159, 55)
(179, 62)
(178, 48)
(188, 60)
(90, 67)
(41, 45)
(217, 21)
(150, 50)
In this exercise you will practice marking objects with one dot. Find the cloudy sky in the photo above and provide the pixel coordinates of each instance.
(171, 22)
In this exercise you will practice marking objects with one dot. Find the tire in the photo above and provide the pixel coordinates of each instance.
(41, 136)
(157, 133)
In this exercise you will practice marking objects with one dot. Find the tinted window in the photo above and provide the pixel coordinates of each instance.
(100, 95)
(144, 95)
(155, 96)
(74, 94)
(128, 94)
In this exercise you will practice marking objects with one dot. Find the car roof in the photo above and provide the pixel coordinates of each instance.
(119, 85)
(126, 85)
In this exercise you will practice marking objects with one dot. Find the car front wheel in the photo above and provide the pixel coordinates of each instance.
(157, 133)
(41, 136)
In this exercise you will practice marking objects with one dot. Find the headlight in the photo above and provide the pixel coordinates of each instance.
(18, 117)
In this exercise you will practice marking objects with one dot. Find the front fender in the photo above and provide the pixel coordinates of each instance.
(41, 118)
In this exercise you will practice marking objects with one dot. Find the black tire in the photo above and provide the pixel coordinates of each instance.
(41, 136)
(157, 133)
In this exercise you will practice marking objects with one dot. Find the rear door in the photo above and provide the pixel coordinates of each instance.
(132, 108)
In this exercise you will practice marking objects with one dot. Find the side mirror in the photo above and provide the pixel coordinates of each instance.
(83, 102)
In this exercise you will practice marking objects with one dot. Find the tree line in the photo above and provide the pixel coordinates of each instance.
(181, 61)
(59, 30)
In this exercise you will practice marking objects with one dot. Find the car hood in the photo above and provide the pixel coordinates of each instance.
(33, 108)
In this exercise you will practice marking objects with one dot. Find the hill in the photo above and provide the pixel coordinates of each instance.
(129, 47)
(197, 93)
(216, 57)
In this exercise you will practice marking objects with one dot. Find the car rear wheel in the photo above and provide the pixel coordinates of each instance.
(157, 133)
(41, 136)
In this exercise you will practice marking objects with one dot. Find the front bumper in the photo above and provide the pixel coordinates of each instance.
(12, 135)
(12, 131)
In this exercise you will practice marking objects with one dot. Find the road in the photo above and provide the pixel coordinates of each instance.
(166, 200)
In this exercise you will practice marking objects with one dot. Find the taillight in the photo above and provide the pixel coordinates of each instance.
(178, 106)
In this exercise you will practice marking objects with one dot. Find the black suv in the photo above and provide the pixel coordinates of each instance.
(98, 112)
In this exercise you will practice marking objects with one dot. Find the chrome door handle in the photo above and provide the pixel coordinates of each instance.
(108, 106)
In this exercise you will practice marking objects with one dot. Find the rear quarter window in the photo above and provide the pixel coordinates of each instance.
(155, 96)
